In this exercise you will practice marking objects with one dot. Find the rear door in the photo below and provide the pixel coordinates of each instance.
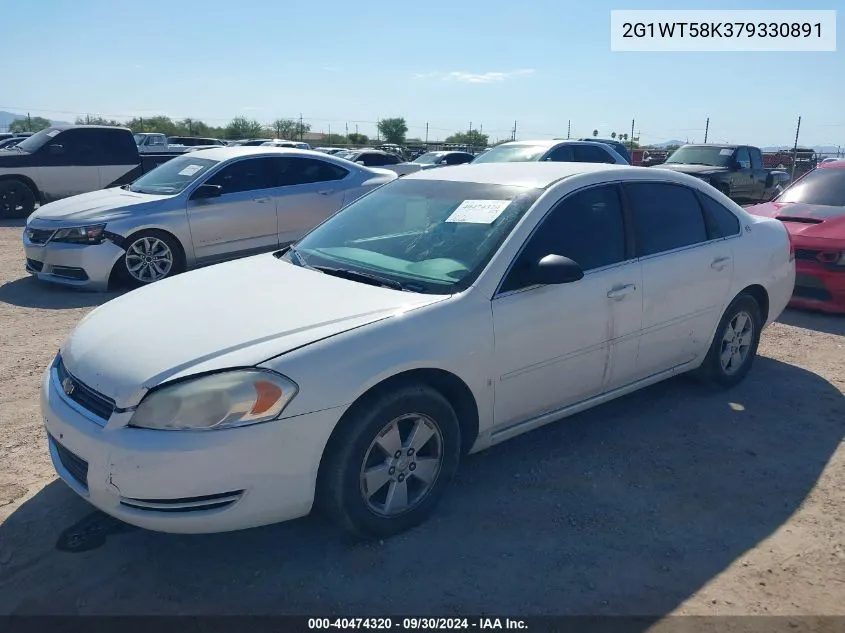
(307, 191)
(243, 219)
(70, 164)
(687, 271)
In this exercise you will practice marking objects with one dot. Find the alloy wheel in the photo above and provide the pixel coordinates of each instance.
(736, 342)
(149, 259)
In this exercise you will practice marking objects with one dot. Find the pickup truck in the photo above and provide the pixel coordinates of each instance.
(735, 170)
(63, 161)
(148, 142)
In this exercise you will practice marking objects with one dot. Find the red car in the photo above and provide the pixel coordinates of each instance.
(813, 211)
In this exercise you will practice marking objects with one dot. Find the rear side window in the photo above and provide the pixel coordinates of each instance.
(591, 154)
(756, 157)
(666, 217)
(301, 171)
(721, 222)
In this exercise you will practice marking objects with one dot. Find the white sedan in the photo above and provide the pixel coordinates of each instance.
(434, 317)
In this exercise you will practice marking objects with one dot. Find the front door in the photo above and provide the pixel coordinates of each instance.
(69, 164)
(242, 220)
(556, 345)
(687, 272)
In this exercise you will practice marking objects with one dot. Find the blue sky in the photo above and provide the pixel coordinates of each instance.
(445, 63)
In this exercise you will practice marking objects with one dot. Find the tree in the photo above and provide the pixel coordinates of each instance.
(241, 127)
(626, 136)
(595, 132)
(393, 130)
(334, 139)
(29, 124)
(97, 120)
(473, 139)
(159, 123)
(613, 135)
(358, 139)
(285, 128)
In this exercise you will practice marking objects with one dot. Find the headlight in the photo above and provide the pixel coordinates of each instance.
(93, 234)
(216, 401)
(836, 258)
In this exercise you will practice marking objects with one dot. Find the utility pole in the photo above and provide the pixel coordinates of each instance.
(706, 129)
(28, 122)
(795, 148)
(300, 126)
(568, 128)
(346, 125)
(378, 131)
(513, 135)
(426, 134)
(632, 134)
(330, 133)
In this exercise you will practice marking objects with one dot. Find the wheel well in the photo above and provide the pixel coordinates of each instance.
(761, 296)
(113, 275)
(28, 182)
(450, 387)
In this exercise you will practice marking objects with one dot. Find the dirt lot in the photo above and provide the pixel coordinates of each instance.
(678, 499)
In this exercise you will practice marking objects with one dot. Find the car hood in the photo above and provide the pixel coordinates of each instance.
(694, 170)
(806, 220)
(236, 314)
(96, 205)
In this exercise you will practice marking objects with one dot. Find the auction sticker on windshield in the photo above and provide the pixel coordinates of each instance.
(190, 170)
(726, 152)
(478, 211)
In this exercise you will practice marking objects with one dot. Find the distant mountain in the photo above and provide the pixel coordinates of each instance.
(666, 144)
(6, 119)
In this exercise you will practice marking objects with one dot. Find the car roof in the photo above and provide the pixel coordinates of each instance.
(226, 152)
(529, 174)
(836, 164)
(548, 143)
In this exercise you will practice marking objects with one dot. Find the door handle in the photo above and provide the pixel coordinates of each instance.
(719, 263)
(620, 292)
(262, 200)
(325, 192)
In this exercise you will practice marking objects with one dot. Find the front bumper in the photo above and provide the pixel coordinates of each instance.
(80, 265)
(817, 287)
(187, 482)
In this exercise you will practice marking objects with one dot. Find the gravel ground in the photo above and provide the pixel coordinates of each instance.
(678, 499)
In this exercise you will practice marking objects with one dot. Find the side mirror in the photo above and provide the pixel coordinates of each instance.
(553, 270)
(359, 162)
(206, 191)
(57, 150)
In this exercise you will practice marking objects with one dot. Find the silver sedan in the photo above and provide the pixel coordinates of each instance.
(194, 210)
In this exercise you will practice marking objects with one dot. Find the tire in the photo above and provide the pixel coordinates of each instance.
(16, 200)
(713, 369)
(136, 271)
(370, 506)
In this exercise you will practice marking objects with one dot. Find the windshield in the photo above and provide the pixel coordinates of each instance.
(512, 154)
(431, 236)
(37, 140)
(173, 176)
(714, 156)
(428, 159)
(821, 186)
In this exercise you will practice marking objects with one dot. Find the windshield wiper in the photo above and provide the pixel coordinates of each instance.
(367, 278)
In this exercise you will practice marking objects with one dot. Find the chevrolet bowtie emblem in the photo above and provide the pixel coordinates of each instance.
(67, 386)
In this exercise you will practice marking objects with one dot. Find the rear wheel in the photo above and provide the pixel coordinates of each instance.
(16, 200)
(390, 462)
(150, 256)
(734, 345)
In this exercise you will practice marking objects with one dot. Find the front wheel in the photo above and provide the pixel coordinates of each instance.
(150, 256)
(16, 200)
(390, 462)
(735, 343)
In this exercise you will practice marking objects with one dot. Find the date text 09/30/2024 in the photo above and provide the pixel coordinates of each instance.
(414, 624)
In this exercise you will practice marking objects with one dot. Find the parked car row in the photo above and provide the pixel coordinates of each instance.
(352, 371)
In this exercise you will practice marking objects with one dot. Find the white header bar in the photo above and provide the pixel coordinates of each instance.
(723, 30)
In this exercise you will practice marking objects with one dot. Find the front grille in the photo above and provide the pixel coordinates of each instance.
(184, 504)
(34, 264)
(75, 465)
(806, 254)
(39, 236)
(83, 395)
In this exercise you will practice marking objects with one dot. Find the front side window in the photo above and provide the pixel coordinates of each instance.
(666, 217)
(429, 158)
(825, 187)
(251, 174)
(743, 158)
(434, 236)
(459, 159)
(587, 227)
(174, 176)
(512, 154)
(562, 154)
